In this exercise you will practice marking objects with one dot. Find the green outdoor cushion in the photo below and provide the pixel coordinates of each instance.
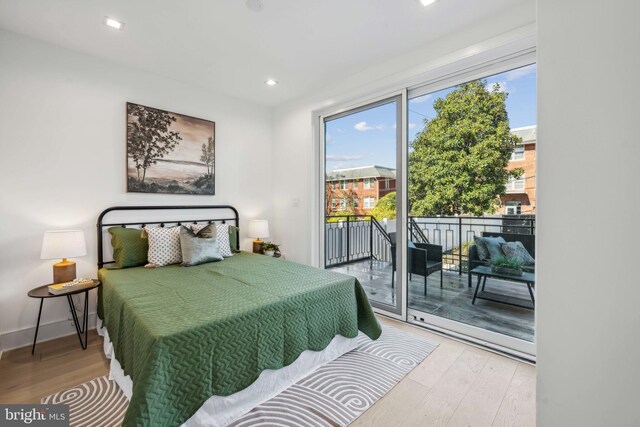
(198, 248)
(517, 251)
(129, 248)
(493, 246)
(483, 253)
(233, 239)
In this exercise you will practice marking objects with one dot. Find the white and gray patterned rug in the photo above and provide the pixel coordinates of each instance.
(334, 395)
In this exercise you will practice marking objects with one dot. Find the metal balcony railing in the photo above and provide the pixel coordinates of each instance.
(350, 238)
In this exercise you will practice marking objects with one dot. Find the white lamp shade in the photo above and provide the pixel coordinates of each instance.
(63, 244)
(258, 228)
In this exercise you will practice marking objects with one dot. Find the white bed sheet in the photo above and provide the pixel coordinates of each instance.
(219, 411)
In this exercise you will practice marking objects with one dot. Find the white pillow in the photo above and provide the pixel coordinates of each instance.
(222, 237)
(164, 245)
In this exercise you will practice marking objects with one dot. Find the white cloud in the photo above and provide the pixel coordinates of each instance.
(343, 158)
(412, 125)
(363, 127)
(420, 99)
(520, 72)
(502, 86)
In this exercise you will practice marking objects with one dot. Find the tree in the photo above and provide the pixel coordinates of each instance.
(385, 208)
(348, 195)
(149, 137)
(458, 163)
(208, 155)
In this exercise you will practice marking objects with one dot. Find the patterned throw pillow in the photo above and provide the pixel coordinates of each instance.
(164, 245)
(129, 248)
(483, 253)
(518, 252)
(198, 248)
(222, 236)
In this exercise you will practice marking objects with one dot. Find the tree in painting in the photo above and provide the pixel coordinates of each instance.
(458, 163)
(208, 155)
(149, 137)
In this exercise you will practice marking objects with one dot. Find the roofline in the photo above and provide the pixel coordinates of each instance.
(363, 167)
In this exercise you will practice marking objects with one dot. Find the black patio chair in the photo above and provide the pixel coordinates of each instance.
(424, 259)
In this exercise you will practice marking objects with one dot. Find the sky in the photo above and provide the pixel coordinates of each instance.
(368, 137)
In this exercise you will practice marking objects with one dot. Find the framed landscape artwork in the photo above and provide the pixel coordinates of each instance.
(169, 152)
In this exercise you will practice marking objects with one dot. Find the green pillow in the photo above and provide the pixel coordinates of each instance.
(129, 247)
(198, 249)
(233, 238)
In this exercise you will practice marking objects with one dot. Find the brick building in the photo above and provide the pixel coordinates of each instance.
(521, 193)
(357, 190)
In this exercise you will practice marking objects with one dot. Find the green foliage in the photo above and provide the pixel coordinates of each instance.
(506, 262)
(385, 208)
(270, 246)
(458, 163)
(149, 137)
(208, 155)
(338, 216)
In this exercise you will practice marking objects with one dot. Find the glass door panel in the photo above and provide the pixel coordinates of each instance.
(471, 173)
(360, 205)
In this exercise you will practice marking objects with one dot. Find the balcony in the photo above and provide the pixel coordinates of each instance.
(360, 246)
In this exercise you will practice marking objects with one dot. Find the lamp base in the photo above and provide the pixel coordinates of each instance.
(257, 246)
(64, 271)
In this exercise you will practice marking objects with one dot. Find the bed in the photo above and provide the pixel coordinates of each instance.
(186, 336)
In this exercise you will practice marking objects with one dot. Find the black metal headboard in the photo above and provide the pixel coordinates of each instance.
(226, 213)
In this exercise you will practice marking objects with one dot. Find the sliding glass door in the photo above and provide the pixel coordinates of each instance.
(471, 176)
(360, 207)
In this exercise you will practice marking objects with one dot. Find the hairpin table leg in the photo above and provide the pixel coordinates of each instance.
(35, 338)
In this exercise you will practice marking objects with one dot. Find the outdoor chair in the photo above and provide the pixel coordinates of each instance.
(527, 240)
(424, 259)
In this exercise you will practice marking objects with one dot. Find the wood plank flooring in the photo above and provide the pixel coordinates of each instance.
(457, 385)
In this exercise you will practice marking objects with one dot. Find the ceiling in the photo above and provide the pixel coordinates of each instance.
(224, 46)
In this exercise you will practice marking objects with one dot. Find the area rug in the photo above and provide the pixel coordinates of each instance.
(333, 395)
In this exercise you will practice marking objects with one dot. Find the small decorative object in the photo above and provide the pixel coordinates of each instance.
(63, 244)
(258, 228)
(270, 249)
(508, 266)
(74, 285)
(169, 152)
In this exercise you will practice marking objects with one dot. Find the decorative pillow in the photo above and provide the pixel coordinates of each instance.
(483, 252)
(223, 240)
(517, 251)
(129, 248)
(204, 230)
(222, 235)
(164, 245)
(197, 248)
(493, 246)
(233, 238)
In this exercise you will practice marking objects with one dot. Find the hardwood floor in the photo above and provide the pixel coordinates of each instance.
(457, 385)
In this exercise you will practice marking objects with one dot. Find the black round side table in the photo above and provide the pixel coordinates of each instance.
(42, 292)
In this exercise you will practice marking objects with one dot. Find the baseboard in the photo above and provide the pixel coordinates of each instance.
(47, 331)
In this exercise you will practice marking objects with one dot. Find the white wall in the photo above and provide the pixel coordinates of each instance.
(589, 290)
(62, 133)
(294, 155)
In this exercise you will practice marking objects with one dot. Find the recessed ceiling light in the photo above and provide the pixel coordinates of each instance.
(254, 5)
(271, 82)
(426, 2)
(113, 23)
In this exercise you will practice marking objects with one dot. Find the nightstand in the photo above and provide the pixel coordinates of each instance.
(42, 292)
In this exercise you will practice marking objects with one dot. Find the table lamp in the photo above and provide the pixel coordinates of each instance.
(63, 244)
(258, 228)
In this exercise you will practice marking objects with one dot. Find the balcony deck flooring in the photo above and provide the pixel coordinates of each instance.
(453, 301)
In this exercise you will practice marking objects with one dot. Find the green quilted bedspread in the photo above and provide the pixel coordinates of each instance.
(184, 334)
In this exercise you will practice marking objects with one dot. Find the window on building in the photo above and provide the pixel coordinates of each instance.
(334, 204)
(343, 184)
(513, 208)
(343, 204)
(355, 203)
(355, 184)
(369, 202)
(518, 153)
(515, 185)
(368, 183)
